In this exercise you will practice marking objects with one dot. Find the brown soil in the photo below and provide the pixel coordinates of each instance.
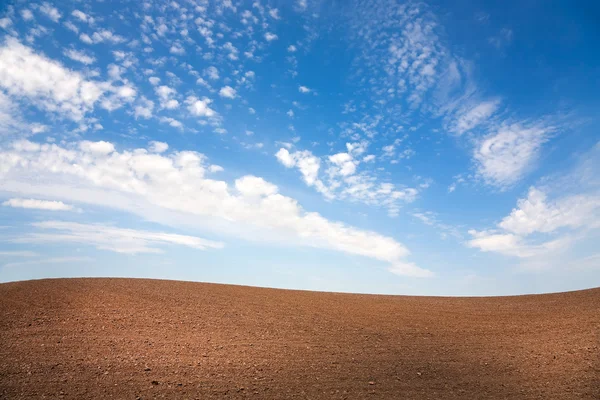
(133, 338)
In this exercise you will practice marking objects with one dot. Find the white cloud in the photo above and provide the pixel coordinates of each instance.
(274, 13)
(303, 89)
(53, 260)
(513, 245)
(341, 180)
(269, 37)
(212, 73)
(200, 108)
(17, 253)
(85, 38)
(345, 163)
(166, 94)
(291, 48)
(503, 157)
(26, 14)
(155, 185)
(38, 204)
(301, 5)
(158, 147)
(144, 108)
(228, 92)
(100, 148)
(104, 35)
(474, 116)
(105, 237)
(522, 232)
(80, 15)
(154, 80)
(80, 56)
(50, 12)
(503, 38)
(46, 83)
(254, 187)
(5, 22)
(284, 157)
(72, 27)
(369, 158)
(535, 214)
(172, 122)
(177, 48)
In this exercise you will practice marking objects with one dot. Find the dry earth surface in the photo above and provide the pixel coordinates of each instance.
(134, 338)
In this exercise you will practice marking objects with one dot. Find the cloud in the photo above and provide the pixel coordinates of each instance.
(50, 12)
(105, 237)
(301, 5)
(177, 48)
(212, 73)
(200, 108)
(158, 147)
(535, 214)
(505, 156)
(100, 148)
(284, 157)
(430, 218)
(522, 232)
(166, 95)
(303, 89)
(53, 260)
(52, 87)
(474, 116)
(5, 22)
(79, 56)
(104, 35)
(269, 37)
(16, 253)
(26, 14)
(46, 82)
(38, 204)
(172, 122)
(83, 17)
(342, 181)
(255, 187)
(144, 108)
(227, 92)
(369, 158)
(502, 39)
(136, 181)
(274, 13)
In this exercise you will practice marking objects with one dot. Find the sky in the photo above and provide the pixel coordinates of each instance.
(395, 147)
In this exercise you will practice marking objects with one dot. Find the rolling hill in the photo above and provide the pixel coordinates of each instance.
(142, 339)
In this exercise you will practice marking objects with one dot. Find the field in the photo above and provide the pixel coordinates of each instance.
(142, 339)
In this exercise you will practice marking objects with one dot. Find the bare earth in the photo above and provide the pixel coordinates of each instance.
(134, 338)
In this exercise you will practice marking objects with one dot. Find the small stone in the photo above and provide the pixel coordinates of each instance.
(371, 383)
(155, 382)
(147, 369)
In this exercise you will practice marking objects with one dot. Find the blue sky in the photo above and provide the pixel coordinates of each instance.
(365, 146)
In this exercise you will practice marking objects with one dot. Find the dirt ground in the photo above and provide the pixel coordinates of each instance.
(143, 339)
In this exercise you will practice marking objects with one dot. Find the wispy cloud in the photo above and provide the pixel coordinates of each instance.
(506, 155)
(147, 180)
(110, 238)
(53, 260)
(50, 205)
